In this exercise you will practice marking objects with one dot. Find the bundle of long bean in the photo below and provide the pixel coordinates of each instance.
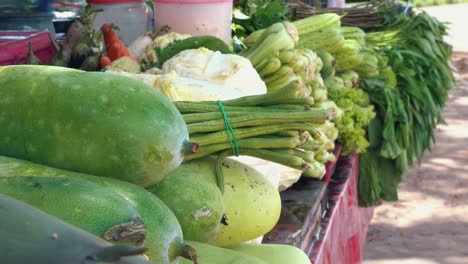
(281, 126)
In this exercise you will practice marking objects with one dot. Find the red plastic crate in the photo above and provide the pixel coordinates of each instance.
(14, 46)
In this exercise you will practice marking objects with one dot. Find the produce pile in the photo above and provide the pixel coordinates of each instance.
(135, 139)
(127, 150)
(402, 71)
(333, 72)
(383, 80)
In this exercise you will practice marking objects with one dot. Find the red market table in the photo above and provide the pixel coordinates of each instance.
(324, 220)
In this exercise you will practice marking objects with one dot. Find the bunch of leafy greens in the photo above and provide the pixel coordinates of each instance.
(357, 115)
(384, 164)
(409, 109)
(252, 15)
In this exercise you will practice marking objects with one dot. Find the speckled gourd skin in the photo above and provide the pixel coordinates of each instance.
(89, 122)
(30, 235)
(163, 232)
(197, 204)
(253, 204)
(76, 201)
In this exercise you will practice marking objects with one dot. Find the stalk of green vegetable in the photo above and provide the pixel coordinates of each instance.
(209, 107)
(248, 143)
(282, 81)
(287, 133)
(222, 135)
(273, 65)
(278, 157)
(284, 71)
(307, 156)
(253, 119)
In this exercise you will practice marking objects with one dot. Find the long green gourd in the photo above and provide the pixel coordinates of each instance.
(250, 203)
(164, 238)
(81, 203)
(253, 203)
(30, 235)
(197, 204)
(89, 122)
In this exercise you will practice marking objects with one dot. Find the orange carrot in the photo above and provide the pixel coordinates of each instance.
(115, 48)
(104, 61)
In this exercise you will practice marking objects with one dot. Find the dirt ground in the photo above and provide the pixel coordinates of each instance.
(429, 224)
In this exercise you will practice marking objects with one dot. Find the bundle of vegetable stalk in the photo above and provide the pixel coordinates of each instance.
(321, 32)
(281, 126)
(275, 54)
(316, 32)
(409, 95)
(324, 35)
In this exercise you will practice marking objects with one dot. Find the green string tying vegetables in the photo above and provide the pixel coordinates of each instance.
(230, 131)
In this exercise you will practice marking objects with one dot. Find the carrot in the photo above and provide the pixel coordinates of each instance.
(115, 48)
(104, 61)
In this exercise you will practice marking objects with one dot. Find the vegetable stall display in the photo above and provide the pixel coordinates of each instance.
(135, 145)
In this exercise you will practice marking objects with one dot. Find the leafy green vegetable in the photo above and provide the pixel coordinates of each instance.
(252, 15)
(409, 95)
(357, 115)
(386, 135)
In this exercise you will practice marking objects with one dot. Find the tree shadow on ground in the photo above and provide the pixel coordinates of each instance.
(419, 241)
(430, 223)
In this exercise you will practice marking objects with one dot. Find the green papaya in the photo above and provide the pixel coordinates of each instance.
(90, 122)
(164, 238)
(209, 254)
(30, 235)
(81, 203)
(273, 253)
(197, 204)
(252, 203)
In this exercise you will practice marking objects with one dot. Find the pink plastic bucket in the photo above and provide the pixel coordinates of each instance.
(195, 17)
